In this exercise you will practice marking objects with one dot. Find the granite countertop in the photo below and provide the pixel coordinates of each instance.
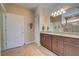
(66, 34)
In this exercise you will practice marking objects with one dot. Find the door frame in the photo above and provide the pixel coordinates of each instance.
(3, 24)
(4, 32)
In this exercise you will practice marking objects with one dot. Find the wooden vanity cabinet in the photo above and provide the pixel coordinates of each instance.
(48, 41)
(71, 49)
(57, 45)
(42, 39)
(71, 46)
(45, 40)
(54, 44)
(60, 45)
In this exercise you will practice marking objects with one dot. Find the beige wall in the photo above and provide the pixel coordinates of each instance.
(44, 18)
(29, 17)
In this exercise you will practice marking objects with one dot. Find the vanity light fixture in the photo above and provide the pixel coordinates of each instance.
(64, 12)
(62, 9)
(55, 13)
(52, 14)
(58, 12)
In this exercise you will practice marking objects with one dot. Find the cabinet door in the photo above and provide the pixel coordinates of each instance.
(54, 44)
(60, 45)
(57, 45)
(48, 41)
(42, 39)
(71, 49)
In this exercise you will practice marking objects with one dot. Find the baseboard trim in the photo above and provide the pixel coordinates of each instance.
(38, 44)
(29, 42)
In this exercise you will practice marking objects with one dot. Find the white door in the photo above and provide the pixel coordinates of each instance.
(14, 30)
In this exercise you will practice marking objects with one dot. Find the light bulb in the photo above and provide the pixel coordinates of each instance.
(52, 14)
(57, 14)
(60, 13)
(64, 11)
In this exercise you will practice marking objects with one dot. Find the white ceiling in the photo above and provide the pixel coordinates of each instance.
(30, 6)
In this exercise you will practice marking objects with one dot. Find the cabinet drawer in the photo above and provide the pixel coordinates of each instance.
(71, 49)
(71, 40)
(72, 44)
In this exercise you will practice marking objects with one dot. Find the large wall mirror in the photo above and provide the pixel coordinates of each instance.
(66, 22)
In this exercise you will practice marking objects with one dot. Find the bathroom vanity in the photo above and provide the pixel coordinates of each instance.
(61, 44)
(62, 37)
